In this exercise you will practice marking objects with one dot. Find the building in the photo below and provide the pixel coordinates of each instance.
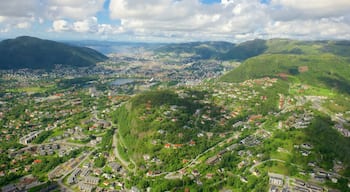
(86, 187)
(91, 180)
(9, 188)
(29, 138)
(276, 179)
(73, 178)
(115, 166)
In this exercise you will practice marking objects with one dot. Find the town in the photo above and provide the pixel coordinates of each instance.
(59, 130)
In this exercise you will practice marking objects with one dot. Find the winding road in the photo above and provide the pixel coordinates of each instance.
(117, 154)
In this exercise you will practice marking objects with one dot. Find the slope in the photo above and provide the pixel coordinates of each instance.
(326, 70)
(34, 53)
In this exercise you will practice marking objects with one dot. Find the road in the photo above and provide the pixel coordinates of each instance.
(172, 175)
(262, 162)
(116, 151)
(117, 154)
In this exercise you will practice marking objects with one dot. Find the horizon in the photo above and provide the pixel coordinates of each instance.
(180, 42)
(171, 21)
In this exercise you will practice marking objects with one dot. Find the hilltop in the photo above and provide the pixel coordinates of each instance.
(35, 53)
(322, 63)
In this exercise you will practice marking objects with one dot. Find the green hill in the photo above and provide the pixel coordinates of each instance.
(34, 53)
(203, 50)
(245, 50)
(248, 49)
(150, 121)
(319, 63)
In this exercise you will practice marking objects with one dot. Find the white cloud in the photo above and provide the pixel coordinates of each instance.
(183, 20)
(190, 16)
(2, 19)
(77, 9)
(19, 8)
(319, 6)
(233, 19)
(23, 25)
(60, 25)
(310, 29)
(85, 26)
(311, 9)
(20, 13)
(89, 26)
(4, 30)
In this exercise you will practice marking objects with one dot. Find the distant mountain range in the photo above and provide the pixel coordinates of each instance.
(202, 50)
(35, 53)
(248, 49)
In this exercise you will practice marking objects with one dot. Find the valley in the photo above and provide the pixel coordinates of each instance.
(182, 117)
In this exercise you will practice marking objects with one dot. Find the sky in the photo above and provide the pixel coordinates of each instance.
(175, 20)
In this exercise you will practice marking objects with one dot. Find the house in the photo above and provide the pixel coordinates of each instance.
(195, 172)
(91, 180)
(314, 187)
(192, 143)
(9, 188)
(273, 189)
(84, 172)
(87, 165)
(334, 180)
(115, 166)
(146, 157)
(73, 178)
(209, 175)
(85, 187)
(177, 146)
(276, 179)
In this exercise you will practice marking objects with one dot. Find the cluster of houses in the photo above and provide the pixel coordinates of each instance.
(341, 122)
(214, 159)
(48, 149)
(88, 178)
(301, 186)
(250, 141)
(87, 183)
(305, 149)
(280, 183)
(96, 124)
(65, 167)
(298, 121)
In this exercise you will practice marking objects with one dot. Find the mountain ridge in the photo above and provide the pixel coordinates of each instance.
(35, 53)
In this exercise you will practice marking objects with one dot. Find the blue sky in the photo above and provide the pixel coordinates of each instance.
(175, 20)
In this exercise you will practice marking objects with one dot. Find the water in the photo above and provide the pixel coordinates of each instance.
(119, 82)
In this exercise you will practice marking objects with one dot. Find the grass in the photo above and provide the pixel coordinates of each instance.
(278, 167)
(122, 152)
(57, 132)
(296, 89)
(280, 155)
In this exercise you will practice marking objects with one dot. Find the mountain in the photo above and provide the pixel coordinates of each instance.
(321, 63)
(243, 51)
(203, 50)
(35, 53)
